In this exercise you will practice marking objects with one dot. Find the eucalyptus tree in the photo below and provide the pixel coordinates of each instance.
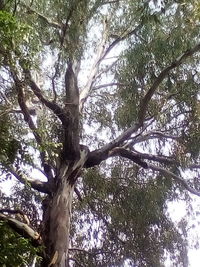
(102, 99)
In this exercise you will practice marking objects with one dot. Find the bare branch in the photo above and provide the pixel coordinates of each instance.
(108, 85)
(95, 67)
(110, 2)
(102, 52)
(119, 151)
(99, 251)
(149, 136)
(31, 111)
(24, 108)
(35, 184)
(29, 121)
(145, 101)
(175, 177)
(121, 38)
(57, 110)
(97, 156)
(65, 26)
(20, 212)
(157, 158)
(23, 229)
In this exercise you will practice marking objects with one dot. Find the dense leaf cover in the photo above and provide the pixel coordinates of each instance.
(136, 63)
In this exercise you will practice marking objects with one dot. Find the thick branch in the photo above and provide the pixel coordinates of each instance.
(160, 159)
(145, 101)
(101, 54)
(35, 184)
(97, 156)
(71, 147)
(24, 108)
(95, 67)
(119, 151)
(175, 177)
(57, 110)
(20, 212)
(29, 121)
(23, 229)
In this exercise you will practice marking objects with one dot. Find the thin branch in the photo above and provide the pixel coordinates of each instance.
(41, 16)
(89, 252)
(149, 136)
(162, 134)
(65, 26)
(54, 77)
(110, 2)
(175, 177)
(108, 85)
(145, 101)
(32, 111)
(5, 98)
(103, 71)
(120, 39)
(23, 229)
(24, 108)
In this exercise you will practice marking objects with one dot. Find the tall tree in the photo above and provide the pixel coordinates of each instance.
(102, 99)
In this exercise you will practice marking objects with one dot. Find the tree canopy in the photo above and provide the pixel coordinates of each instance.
(99, 127)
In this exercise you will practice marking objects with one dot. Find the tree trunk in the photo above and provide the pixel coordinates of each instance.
(57, 213)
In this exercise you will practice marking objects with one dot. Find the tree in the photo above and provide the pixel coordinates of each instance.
(102, 99)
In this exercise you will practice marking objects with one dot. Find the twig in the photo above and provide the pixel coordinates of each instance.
(175, 177)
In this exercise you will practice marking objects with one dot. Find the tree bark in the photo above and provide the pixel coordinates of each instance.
(57, 213)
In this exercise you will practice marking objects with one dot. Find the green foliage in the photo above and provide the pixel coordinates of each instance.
(9, 146)
(121, 210)
(14, 250)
